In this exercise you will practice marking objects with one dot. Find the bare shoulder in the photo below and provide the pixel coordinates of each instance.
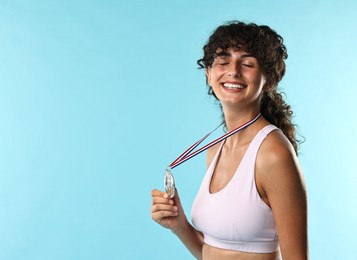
(277, 163)
(276, 150)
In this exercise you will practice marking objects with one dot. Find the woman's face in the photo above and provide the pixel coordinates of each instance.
(236, 78)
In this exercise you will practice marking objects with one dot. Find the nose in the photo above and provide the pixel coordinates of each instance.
(234, 70)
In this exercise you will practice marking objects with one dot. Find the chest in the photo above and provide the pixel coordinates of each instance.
(226, 166)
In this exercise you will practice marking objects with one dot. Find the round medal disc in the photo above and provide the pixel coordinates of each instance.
(169, 184)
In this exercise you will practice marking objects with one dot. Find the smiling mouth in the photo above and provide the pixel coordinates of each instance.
(233, 86)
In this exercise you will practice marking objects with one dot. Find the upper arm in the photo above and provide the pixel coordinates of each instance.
(283, 184)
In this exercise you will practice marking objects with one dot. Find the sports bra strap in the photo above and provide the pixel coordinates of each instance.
(268, 129)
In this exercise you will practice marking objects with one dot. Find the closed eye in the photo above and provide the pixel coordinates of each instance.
(222, 60)
(248, 65)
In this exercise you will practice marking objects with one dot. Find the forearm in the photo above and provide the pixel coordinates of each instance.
(191, 238)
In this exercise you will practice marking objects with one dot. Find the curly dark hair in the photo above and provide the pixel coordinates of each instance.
(267, 47)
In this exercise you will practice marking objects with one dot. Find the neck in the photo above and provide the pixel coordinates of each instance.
(235, 118)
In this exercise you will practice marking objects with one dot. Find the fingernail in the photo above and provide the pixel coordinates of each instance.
(175, 208)
(171, 202)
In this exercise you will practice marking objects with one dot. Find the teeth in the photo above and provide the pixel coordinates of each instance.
(233, 86)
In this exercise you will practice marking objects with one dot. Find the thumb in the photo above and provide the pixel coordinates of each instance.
(177, 203)
(176, 198)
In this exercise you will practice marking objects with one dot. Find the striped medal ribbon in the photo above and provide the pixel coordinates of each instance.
(169, 181)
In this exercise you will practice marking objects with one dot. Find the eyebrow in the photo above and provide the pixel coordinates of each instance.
(227, 54)
(222, 53)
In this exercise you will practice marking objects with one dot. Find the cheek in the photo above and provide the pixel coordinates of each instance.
(215, 74)
(259, 80)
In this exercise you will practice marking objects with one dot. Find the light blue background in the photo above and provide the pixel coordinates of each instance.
(97, 97)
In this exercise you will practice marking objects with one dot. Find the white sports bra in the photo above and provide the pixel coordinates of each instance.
(236, 218)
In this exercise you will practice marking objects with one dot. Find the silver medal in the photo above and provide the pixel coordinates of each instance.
(169, 184)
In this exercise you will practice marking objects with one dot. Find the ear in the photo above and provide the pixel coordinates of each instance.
(208, 75)
(266, 85)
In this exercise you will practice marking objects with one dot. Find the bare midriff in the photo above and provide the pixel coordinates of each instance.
(214, 253)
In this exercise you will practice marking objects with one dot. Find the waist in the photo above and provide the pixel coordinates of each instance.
(212, 253)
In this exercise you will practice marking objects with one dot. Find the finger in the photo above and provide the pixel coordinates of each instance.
(162, 207)
(159, 193)
(158, 216)
(160, 200)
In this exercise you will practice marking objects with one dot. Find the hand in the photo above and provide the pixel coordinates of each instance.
(167, 212)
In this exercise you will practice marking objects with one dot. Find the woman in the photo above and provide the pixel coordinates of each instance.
(252, 201)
